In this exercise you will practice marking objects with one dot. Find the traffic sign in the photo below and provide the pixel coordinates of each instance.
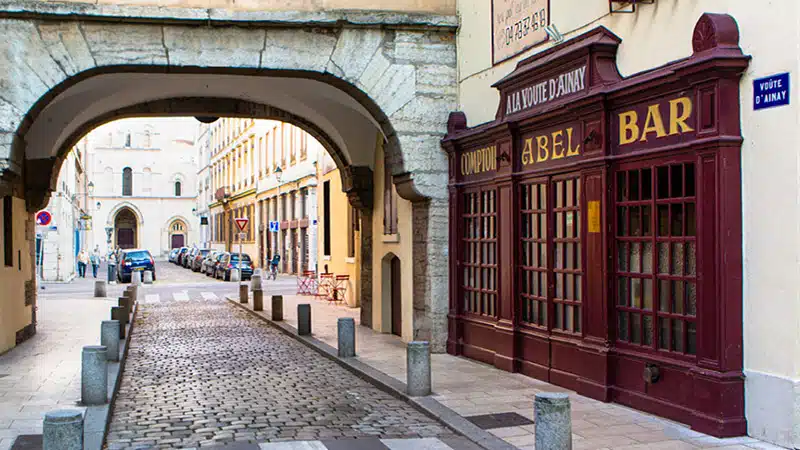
(242, 236)
(241, 222)
(43, 218)
(273, 226)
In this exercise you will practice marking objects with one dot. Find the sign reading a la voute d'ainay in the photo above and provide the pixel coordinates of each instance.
(517, 25)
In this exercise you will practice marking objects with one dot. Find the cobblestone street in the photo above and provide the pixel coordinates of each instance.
(201, 372)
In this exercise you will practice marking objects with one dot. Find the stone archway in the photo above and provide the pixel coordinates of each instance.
(348, 80)
(126, 229)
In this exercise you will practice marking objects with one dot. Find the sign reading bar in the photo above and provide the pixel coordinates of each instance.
(771, 91)
(518, 25)
(479, 161)
(545, 91)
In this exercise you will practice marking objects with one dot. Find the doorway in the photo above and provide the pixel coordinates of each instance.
(177, 241)
(125, 228)
(397, 312)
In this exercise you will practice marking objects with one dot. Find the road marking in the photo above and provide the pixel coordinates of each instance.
(180, 296)
(152, 298)
(209, 296)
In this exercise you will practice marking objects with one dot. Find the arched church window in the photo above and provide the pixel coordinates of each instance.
(127, 182)
(177, 189)
(128, 140)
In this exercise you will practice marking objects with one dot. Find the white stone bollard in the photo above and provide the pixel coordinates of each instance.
(136, 278)
(418, 371)
(346, 330)
(109, 338)
(63, 430)
(148, 277)
(553, 421)
(235, 275)
(100, 288)
(94, 375)
(255, 282)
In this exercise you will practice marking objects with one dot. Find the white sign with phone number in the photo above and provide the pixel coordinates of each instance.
(518, 25)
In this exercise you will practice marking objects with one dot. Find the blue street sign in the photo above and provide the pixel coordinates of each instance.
(771, 91)
(273, 226)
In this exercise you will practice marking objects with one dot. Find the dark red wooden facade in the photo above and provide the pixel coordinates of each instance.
(595, 228)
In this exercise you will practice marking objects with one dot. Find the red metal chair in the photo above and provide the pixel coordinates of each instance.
(338, 289)
(307, 283)
(324, 285)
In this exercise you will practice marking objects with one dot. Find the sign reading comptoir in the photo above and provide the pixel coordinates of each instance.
(517, 25)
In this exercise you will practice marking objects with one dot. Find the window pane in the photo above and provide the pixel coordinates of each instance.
(663, 220)
(570, 193)
(559, 285)
(622, 325)
(636, 324)
(578, 287)
(648, 330)
(622, 291)
(663, 295)
(663, 258)
(622, 225)
(646, 220)
(636, 293)
(691, 297)
(559, 225)
(691, 219)
(570, 232)
(647, 257)
(568, 324)
(647, 294)
(647, 184)
(690, 181)
(677, 220)
(677, 258)
(691, 344)
(622, 256)
(558, 323)
(676, 182)
(635, 221)
(663, 333)
(636, 256)
(691, 264)
(569, 284)
(633, 183)
(677, 335)
(622, 187)
(677, 297)
(662, 182)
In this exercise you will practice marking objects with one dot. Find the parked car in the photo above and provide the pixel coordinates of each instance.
(230, 261)
(173, 255)
(208, 262)
(181, 253)
(135, 260)
(187, 258)
(197, 261)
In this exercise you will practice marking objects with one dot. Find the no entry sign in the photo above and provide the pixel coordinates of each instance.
(241, 222)
(43, 218)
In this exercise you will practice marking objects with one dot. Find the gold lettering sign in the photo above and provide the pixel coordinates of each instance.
(479, 161)
(631, 129)
(550, 146)
(593, 217)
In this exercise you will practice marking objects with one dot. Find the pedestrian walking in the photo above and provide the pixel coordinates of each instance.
(83, 260)
(95, 260)
(111, 259)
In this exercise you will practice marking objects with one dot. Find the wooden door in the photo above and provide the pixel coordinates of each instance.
(125, 238)
(177, 241)
(397, 313)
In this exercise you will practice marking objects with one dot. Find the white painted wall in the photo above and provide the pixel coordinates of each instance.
(159, 160)
(655, 35)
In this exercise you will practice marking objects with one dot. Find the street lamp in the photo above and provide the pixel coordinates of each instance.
(279, 207)
(91, 189)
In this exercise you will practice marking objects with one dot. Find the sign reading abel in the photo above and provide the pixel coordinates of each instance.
(546, 91)
(479, 161)
(517, 25)
(550, 146)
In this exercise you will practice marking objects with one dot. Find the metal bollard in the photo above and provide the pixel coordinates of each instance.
(258, 300)
(118, 313)
(243, 296)
(418, 372)
(346, 328)
(277, 308)
(304, 319)
(62, 430)
(94, 375)
(100, 288)
(553, 421)
(112, 274)
(147, 278)
(109, 338)
(255, 282)
(136, 278)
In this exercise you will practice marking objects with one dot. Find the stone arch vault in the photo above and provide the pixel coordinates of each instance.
(346, 76)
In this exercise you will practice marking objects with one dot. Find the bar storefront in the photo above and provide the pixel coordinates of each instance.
(595, 227)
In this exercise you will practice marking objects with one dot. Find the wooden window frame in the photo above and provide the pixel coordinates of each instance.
(479, 237)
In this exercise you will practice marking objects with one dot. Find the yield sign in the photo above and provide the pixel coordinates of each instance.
(241, 222)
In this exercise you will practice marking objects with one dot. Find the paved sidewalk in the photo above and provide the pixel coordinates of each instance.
(473, 389)
(43, 373)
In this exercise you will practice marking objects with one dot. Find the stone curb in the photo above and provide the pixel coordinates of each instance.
(396, 388)
(97, 418)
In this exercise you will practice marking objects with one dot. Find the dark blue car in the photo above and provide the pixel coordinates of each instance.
(135, 260)
(230, 261)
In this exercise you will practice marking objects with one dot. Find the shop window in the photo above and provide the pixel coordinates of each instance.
(656, 262)
(566, 266)
(479, 257)
(533, 253)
